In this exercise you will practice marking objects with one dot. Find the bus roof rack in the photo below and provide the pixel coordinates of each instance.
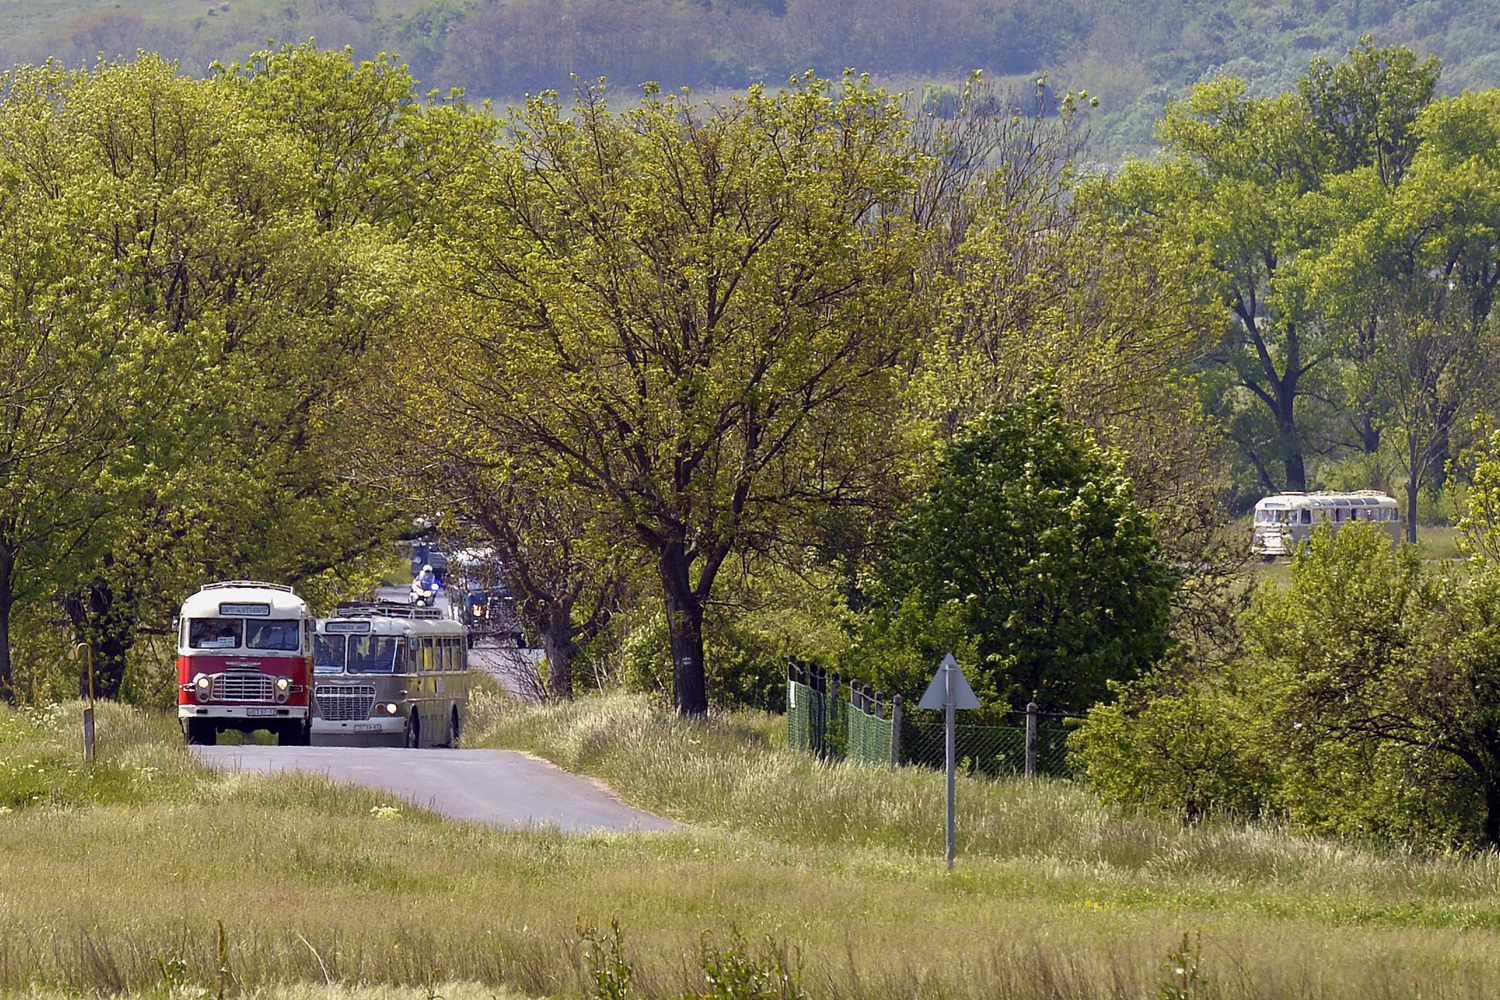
(383, 609)
(224, 584)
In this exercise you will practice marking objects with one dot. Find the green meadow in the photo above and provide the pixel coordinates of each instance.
(146, 875)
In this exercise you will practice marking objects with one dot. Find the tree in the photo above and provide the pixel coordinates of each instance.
(1261, 188)
(81, 372)
(694, 314)
(424, 442)
(1370, 661)
(1030, 540)
(212, 310)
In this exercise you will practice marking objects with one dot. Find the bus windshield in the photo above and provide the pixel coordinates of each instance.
(214, 633)
(372, 654)
(328, 654)
(284, 634)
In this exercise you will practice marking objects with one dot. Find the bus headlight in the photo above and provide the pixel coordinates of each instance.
(283, 684)
(389, 708)
(202, 686)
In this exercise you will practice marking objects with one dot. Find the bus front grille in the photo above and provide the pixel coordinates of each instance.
(345, 703)
(241, 686)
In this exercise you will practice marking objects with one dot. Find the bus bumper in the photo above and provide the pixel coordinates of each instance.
(386, 725)
(267, 713)
(364, 733)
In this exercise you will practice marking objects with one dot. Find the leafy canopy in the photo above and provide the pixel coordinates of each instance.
(1030, 541)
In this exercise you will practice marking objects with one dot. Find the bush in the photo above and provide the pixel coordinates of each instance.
(1182, 751)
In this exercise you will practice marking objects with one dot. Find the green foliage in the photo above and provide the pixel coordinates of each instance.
(1181, 748)
(605, 955)
(735, 972)
(1029, 538)
(1365, 705)
(747, 658)
(209, 260)
(692, 315)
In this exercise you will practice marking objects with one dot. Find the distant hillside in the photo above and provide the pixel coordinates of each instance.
(1134, 54)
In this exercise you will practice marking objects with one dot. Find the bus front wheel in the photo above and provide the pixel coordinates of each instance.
(455, 731)
(413, 731)
(199, 733)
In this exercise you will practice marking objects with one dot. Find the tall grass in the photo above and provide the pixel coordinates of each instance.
(325, 890)
(733, 775)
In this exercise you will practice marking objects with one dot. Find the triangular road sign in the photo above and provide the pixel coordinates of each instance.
(936, 695)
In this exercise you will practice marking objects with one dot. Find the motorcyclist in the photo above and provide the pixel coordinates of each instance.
(424, 584)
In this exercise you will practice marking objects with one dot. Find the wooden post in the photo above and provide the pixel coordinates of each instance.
(895, 732)
(1031, 710)
(88, 710)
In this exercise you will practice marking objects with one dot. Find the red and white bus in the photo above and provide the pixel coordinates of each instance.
(244, 662)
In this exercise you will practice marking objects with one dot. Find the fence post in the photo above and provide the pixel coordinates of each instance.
(1031, 710)
(895, 732)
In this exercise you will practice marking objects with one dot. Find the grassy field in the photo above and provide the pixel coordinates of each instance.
(118, 881)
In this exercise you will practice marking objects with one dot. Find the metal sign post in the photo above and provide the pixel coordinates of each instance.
(88, 711)
(949, 690)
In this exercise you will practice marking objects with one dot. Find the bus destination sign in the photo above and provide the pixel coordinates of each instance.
(346, 626)
(245, 610)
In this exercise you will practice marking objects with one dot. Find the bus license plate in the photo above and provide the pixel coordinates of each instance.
(256, 713)
(367, 727)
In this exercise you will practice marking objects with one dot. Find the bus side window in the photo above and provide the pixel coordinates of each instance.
(428, 654)
(1306, 516)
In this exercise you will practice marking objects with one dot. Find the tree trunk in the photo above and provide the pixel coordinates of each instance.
(1492, 813)
(560, 649)
(7, 601)
(1296, 471)
(1369, 434)
(685, 628)
(1413, 484)
(98, 618)
(1411, 509)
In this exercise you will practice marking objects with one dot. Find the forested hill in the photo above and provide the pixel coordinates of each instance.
(1134, 54)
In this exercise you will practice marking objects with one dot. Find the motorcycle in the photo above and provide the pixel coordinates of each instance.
(425, 597)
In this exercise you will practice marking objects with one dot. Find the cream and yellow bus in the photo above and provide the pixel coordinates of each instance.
(389, 674)
(1286, 520)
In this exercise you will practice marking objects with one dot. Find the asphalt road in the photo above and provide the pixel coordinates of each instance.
(499, 787)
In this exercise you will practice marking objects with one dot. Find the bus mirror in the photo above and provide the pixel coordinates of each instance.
(176, 623)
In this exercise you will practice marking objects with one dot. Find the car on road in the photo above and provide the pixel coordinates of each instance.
(490, 612)
(428, 553)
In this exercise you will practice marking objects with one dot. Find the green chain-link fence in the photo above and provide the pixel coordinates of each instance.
(993, 750)
(822, 721)
(826, 724)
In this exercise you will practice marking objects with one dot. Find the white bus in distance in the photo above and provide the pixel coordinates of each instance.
(1286, 520)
